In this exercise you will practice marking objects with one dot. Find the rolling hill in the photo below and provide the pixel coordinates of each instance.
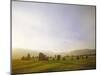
(82, 52)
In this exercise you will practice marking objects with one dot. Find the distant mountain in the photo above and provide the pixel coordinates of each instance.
(82, 52)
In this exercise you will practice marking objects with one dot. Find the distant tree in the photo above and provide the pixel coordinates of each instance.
(58, 57)
(42, 56)
(63, 58)
(77, 57)
(86, 57)
(28, 56)
(53, 58)
(72, 57)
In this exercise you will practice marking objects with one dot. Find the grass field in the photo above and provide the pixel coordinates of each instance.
(31, 66)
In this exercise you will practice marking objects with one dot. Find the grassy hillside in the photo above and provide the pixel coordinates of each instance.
(19, 66)
(83, 59)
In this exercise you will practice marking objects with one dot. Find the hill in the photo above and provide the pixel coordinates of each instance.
(82, 52)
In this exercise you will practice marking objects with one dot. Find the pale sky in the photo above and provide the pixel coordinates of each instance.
(59, 27)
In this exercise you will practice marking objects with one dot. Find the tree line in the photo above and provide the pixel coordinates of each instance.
(42, 56)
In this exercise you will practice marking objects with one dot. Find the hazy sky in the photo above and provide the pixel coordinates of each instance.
(56, 27)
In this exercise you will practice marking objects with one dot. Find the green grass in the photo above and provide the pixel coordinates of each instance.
(22, 66)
